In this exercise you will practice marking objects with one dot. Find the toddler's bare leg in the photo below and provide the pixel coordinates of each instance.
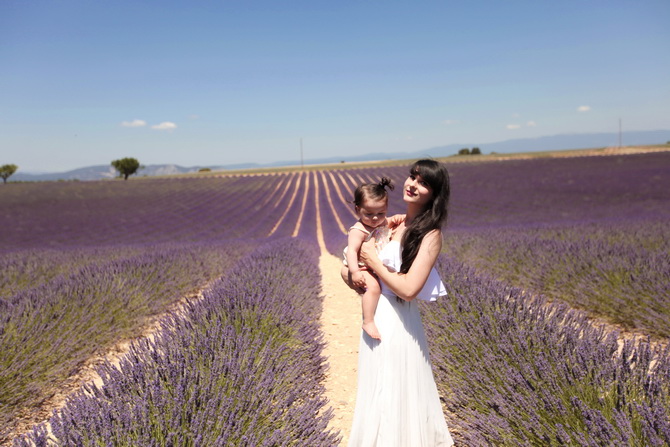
(369, 301)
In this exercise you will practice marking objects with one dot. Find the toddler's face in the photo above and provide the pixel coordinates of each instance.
(373, 212)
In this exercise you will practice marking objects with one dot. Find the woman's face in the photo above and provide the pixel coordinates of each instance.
(417, 191)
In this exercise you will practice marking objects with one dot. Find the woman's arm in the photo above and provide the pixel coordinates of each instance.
(406, 285)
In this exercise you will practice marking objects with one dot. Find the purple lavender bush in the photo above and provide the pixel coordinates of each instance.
(570, 191)
(145, 211)
(241, 367)
(518, 371)
(619, 272)
(47, 332)
(335, 218)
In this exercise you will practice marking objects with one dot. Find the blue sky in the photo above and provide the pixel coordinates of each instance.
(222, 82)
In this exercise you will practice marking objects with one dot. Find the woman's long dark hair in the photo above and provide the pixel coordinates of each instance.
(433, 216)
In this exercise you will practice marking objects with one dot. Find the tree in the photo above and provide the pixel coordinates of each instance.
(475, 151)
(6, 171)
(464, 151)
(126, 166)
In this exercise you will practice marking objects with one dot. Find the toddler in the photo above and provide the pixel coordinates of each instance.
(371, 201)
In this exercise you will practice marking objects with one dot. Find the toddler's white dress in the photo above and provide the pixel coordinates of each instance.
(397, 403)
(381, 235)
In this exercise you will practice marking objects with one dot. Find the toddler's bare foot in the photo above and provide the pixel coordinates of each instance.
(371, 329)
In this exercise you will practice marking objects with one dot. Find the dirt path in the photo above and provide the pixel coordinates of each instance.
(341, 325)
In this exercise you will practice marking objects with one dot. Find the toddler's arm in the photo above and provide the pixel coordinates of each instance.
(355, 240)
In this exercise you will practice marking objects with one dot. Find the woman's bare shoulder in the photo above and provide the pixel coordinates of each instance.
(435, 234)
(433, 239)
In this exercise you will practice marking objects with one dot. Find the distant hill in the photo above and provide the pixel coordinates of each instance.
(540, 144)
(101, 172)
(560, 142)
(548, 143)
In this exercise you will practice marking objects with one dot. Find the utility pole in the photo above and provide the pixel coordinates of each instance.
(619, 133)
(302, 164)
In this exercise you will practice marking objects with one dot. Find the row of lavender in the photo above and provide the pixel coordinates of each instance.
(617, 271)
(60, 308)
(166, 210)
(188, 209)
(197, 210)
(74, 214)
(517, 371)
(120, 252)
(243, 366)
(494, 194)
(535, 192)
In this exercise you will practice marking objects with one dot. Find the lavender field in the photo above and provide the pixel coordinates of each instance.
(240, 367)
(533, 250)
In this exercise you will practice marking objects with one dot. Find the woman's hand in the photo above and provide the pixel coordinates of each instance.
(368, 253)
(395, 220)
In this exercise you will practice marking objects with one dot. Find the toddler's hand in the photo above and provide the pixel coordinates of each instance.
(358, 280)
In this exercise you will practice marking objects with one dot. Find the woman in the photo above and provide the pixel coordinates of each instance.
(397, 403)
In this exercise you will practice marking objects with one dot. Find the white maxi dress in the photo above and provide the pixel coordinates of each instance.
(397, 403)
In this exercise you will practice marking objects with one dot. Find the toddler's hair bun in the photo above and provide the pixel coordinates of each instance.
(386, 182)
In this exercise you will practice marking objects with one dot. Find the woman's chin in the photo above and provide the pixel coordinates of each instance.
(409, 199)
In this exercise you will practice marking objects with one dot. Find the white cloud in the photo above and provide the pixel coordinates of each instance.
(583, 108)
(450, 122)
(531, 124)
(515, 115)
(194, 117)
(165, 125)
(513, 126)
(134, 123)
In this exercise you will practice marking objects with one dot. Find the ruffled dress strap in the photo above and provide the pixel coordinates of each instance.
(391, 257)
(359, 228)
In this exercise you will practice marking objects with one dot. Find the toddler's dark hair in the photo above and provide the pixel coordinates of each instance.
(372, 191)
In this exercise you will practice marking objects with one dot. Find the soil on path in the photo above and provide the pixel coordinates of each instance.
(341, 325)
